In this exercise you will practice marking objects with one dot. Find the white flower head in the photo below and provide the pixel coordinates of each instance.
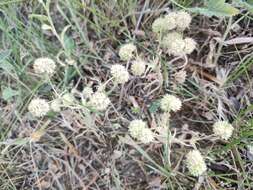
(87, 92)
(170, 21)
(190, 45)
(126, 51)
(164, 24)
(159, 25)
(119, 74)
(44, 65)
(195, 163)
(139, 131)
(183, 20)
(180, 76)
(56, 105)
(136, 127)
(174, 43)
(138, 67)
(170, 103)
(223, 129)
(147, 136)
(99, 101)
(38, 107)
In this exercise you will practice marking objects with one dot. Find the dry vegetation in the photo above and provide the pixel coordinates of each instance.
(80, 148)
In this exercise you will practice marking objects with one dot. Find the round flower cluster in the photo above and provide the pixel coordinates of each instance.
(195, 163)
(44, 65)
(163, 24)
(174, 43)
(99, 101)
(119, 73)
(138, 67)
(126, 51)
(170, 103)
(183, 20)
(174, 20)
(223, 129)
(190, 45)
(139, 130)
(38, 107)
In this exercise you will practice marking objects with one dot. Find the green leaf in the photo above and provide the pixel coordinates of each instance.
(8, 93)
(245, 4)
(154, 107)
(42, 18)
(217, 8)
(69, 44)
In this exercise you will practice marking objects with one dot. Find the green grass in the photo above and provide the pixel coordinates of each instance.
(77, 146)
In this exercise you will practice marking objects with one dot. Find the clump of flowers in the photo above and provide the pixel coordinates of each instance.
(119, 74)
(99, 101)
(138, 67)
(139, 131)
(126, 51)
(44, 65)
(173, 41)
(38, 107)
(223, 129)
(170, 103)
(195, 163)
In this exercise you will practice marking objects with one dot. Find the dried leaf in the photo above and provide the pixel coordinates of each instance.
(239, 40)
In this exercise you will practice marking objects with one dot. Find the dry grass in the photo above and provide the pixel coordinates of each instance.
(80, 149)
